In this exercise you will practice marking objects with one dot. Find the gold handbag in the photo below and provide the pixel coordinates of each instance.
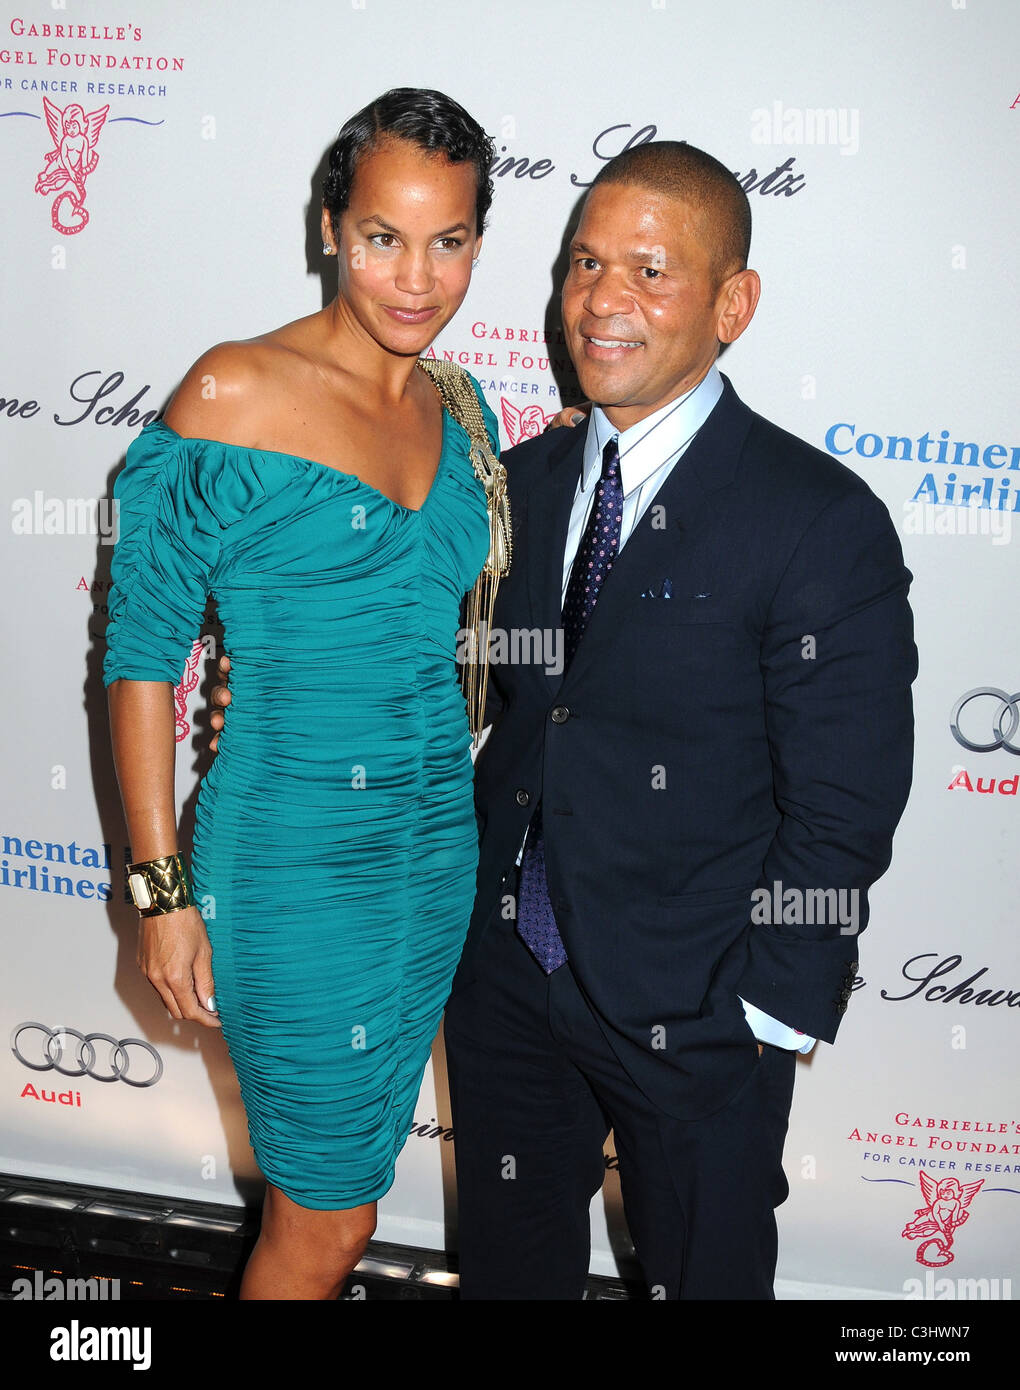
(459, 398)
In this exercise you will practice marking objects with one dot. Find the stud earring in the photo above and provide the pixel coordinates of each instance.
(327, 250)
(474, 262)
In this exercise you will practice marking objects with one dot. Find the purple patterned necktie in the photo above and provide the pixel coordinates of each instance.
(600, 544)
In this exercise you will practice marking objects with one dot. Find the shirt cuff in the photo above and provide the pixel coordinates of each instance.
(769, 1030)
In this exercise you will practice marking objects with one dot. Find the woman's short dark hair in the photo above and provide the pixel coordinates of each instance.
(432, 121)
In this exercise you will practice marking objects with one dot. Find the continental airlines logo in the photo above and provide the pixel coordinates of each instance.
(970, 487)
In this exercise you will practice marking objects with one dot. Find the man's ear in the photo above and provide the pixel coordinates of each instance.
(737, 300)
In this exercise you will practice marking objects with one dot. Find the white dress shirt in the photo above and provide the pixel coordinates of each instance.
(649, 451)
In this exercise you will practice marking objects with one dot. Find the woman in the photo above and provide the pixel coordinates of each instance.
(312, 481)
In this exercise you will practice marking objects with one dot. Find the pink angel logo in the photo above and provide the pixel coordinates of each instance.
(189, 682)
(69, 163)
(936, 1224)
(523, 424)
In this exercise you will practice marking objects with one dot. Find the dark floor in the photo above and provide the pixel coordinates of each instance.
(163, 1249)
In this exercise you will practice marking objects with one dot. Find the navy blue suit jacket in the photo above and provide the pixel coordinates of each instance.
(699, 747)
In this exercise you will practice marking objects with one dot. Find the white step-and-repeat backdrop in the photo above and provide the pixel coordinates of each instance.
(878, 145)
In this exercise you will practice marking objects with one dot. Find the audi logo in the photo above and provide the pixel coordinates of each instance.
(1003, 723)
(75, 1054)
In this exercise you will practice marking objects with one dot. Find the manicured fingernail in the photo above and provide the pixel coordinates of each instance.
(211, 1004)
(576, 418)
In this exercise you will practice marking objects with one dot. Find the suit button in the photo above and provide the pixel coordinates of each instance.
(521, 797)
(560, 714)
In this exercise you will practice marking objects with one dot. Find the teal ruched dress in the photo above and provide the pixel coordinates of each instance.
(335, 845)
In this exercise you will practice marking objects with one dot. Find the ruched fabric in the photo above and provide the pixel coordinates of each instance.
(335, 845)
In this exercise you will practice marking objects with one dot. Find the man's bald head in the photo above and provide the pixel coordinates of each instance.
(674, 169)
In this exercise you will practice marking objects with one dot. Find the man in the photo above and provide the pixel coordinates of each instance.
(734, 716)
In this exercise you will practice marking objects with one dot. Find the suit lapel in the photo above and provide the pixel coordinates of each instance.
(687, 501)
(549, 502)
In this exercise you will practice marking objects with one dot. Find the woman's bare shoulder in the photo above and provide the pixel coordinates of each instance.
(227, 391)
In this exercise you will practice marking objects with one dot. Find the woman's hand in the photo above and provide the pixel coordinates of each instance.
(570, 415)
(221, 699)
(175, 956)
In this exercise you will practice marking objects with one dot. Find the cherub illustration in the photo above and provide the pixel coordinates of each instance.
(523, 424)
(936, 1223)
(71, 160)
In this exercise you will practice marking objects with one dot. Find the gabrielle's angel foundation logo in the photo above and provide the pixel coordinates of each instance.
(73, 158)
(936, 1224)
(523, 424)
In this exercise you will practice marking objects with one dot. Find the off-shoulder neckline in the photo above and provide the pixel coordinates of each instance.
(317, 463)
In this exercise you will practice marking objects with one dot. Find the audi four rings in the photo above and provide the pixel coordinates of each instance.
(54, 1054)
(1002, 736)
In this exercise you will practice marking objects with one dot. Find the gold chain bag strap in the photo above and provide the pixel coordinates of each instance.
(459, 398)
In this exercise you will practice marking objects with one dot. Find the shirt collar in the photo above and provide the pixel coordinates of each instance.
(653, 441)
